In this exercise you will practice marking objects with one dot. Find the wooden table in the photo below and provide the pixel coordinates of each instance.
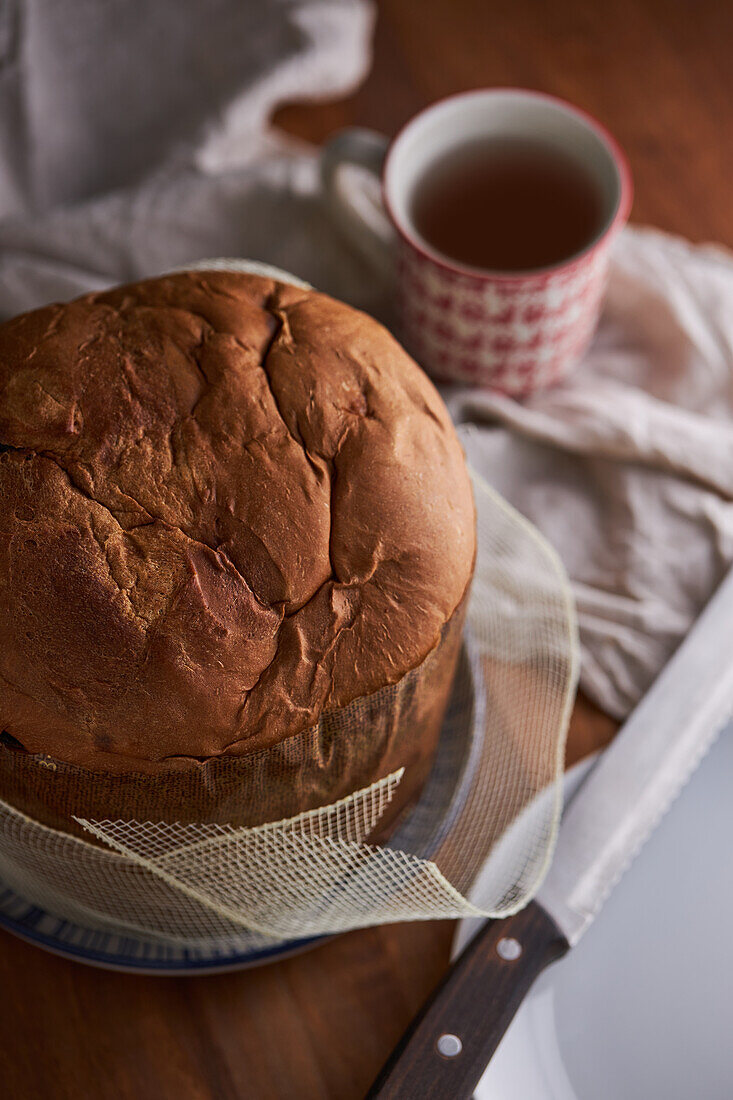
(318, 1026)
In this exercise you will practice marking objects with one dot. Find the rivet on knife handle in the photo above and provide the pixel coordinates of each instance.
(446, 1049)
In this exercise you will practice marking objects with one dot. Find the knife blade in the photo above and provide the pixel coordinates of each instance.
(448, 1046)
(646, 766)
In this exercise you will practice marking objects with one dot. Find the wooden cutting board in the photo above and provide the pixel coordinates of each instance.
(320, 1025)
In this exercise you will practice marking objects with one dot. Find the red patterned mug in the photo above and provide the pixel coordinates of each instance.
(515, 331)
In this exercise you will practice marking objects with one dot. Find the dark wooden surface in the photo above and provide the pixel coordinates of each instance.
(319, 1026)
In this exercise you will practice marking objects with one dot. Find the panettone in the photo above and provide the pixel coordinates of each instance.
(236, 537)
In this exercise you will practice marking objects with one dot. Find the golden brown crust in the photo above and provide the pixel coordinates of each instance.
(329, 761)
(229, 505)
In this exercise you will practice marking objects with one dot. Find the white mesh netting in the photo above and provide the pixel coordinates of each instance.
(477, 842)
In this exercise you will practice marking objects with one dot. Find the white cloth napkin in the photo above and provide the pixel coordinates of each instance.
(627, 468)
(134, 138)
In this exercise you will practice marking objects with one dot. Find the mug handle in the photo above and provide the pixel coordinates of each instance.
(358, 206)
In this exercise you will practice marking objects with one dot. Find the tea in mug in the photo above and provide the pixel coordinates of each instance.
(507, 204)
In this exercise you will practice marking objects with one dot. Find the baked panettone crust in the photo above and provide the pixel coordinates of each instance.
(228, 506)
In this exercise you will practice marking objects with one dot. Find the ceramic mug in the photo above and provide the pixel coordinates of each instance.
(514, 331)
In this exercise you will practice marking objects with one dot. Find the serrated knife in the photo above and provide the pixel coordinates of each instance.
(448, 1046)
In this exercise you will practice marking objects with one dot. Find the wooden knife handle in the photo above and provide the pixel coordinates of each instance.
(470, 1010)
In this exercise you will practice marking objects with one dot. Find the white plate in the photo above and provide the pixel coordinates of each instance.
(642, 1008)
